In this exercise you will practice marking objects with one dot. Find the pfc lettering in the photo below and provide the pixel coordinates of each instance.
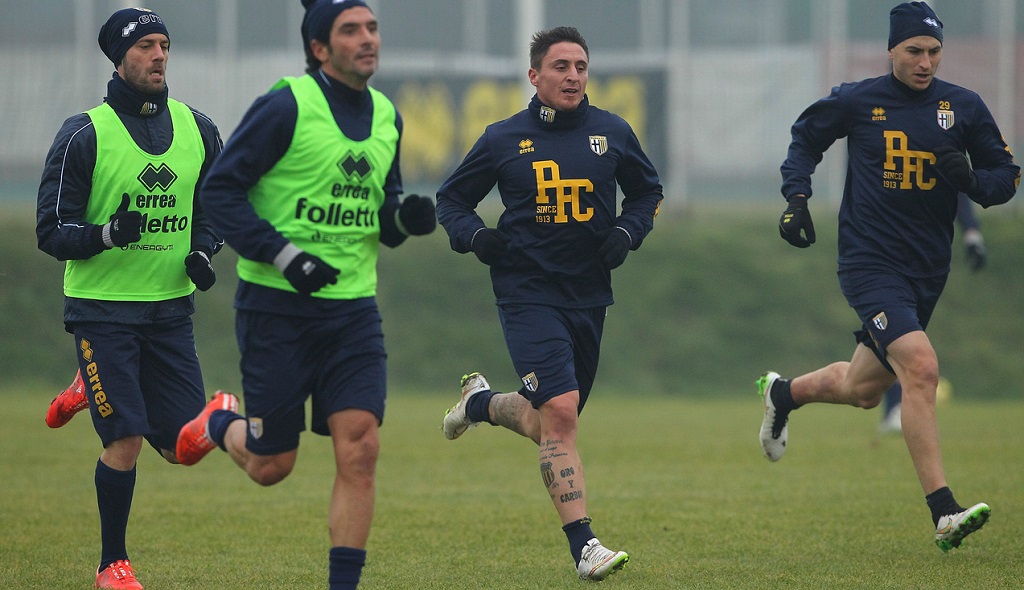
(912, 161)
(567, 192)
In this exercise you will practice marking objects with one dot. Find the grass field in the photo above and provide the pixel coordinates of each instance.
(680, 484)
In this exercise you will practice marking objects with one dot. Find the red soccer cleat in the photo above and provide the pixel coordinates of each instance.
(194, 440)
(70, 402)
(118, 575)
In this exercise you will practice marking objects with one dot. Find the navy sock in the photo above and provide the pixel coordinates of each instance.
(578, 532)
(941, 502)
(782, 397)
(893, 397)
(346, 566)
(477, 409)
(218, 424)
(114, 491)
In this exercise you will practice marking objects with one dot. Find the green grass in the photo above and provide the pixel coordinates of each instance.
(712, 296)
(679, 483)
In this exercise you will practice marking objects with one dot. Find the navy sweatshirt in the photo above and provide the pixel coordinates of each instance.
(557, 176)
(897, 211)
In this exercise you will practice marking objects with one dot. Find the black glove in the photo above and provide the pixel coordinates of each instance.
(199, 269)
(416, 215)
(309, 274)
(795, 218)
(490, 245)
(124, 227)
(615, 243)
(954, 167)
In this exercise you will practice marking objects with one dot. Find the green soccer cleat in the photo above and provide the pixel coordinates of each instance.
(953, 528)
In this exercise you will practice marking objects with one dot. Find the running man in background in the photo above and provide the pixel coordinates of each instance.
(906, 136)
(306, 191)
(556, 165)
(117, 202)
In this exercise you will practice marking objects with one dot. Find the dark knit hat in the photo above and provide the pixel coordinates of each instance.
(320, 15)
(913, 19)
(125, 27)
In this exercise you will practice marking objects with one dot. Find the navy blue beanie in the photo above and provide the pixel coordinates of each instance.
(125, 27)
(319, 18)
(913, 19)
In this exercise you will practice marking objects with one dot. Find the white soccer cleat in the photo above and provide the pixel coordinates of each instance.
(597, 562)
(893, 421)
(455, 421)
(774, 427)
(953, 528)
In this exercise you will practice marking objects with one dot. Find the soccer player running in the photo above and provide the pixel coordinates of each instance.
(556, 165)
(117, 202)
(306, 190)
(906, 136)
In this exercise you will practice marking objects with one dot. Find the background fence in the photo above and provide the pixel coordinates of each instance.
(711, 86)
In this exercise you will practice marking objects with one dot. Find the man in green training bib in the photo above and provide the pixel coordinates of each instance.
(117, 202)
(306, 190)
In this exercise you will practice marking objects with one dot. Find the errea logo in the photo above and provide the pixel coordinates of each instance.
(355, 166)
(526, 146)
(152, 177)
(145, 19)
(931, 22)
(878, 114)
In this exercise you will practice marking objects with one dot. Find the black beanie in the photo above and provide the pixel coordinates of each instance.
(125, 27)
(320, 15)
(913, 19)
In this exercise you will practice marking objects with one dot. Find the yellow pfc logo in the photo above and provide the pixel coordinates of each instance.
(910, 170)
(566, 193)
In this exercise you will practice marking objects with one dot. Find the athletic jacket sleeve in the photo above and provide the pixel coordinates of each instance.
(642, 192)
(815, 130)
(64, 191)
(462, 192)
(997, 174)
(390, 235)
(261, 139)
(203, 235)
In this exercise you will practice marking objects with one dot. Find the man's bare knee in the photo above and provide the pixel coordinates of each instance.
(268, 473)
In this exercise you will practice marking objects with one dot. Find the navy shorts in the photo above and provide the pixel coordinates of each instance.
(339, 361)
(140, 379)
(553, 350)
(889, 305)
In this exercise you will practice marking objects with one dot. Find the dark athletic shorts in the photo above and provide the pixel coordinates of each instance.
(339, 361)
(889, 305)
(553, 350)
(140, 379)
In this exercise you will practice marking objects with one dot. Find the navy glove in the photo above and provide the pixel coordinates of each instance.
(124, 227)
(199, 269)
(490, 245)
(954, 167)
(797, 218)
(416, 216)
(308, 274)
(615, 243)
